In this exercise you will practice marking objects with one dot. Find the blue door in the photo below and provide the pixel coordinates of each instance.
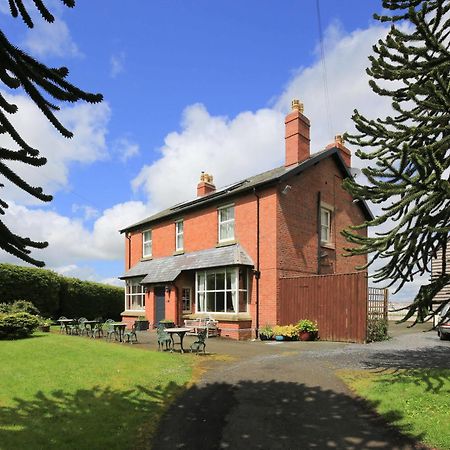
(160, 310)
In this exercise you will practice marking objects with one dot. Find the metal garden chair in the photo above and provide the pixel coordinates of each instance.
(128, 335)
(200, 341)
(163, 337)
(82, 329)
(62, 325)
(98, 330)
(110, 330)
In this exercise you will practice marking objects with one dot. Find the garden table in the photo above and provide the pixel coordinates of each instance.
(119, 328)
(66, 323)
(181, 332)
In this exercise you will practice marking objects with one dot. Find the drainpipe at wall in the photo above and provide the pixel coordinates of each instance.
(319, 218)
(257, 272)
(128, 236)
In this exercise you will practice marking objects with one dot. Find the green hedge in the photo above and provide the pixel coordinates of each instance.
(55, 295)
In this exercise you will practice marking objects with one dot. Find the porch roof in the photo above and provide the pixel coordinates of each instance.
(163, 270)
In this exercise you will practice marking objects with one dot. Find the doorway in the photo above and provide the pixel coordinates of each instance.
(160, 309)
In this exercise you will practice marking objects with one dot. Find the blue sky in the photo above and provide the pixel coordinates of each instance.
(189, 85)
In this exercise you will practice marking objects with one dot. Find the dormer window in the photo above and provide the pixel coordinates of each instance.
(147, 244)
(226, 223)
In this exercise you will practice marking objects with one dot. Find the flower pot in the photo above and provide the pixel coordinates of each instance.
(304, 335)
(279, 338)
(166, 324)
(264, 337)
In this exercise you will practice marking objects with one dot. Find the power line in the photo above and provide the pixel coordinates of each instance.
(324, 72)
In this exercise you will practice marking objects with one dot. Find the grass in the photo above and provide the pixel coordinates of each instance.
(417, 401)
(60, 391)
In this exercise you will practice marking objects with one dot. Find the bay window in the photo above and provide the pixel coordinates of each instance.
(222, 290)
(134, 295)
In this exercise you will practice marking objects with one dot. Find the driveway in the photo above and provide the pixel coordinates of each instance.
(268, 395)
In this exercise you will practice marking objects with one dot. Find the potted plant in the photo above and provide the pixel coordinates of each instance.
(266, 333)
(166, 323)
(142, 323)
(44, 324)
(307, 330)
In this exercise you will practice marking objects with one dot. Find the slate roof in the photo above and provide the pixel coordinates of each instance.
(164, 270)
(272, 176)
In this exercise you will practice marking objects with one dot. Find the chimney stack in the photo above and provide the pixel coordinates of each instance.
(345, 152)
(206, 185)
(297, 135)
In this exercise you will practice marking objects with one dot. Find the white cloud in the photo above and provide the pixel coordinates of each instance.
(88, 211)
(125, 149)
(70, 241)
(87, 122)
(117, 64)
(230, 149)
(50, 39)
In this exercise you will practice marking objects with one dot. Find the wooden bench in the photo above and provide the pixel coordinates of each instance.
(210, 325)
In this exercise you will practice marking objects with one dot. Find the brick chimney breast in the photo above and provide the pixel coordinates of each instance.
(206, 185)
(345, 152)
(297, 139)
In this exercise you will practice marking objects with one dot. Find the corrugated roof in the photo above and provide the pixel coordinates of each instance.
(270, 176)
(167, 269)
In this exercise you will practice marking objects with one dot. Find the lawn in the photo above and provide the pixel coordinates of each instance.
(59, 391)
(416, 401)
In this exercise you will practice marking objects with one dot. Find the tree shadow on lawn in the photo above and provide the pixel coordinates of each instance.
(98, 418)
(401, 363)
(276, 415)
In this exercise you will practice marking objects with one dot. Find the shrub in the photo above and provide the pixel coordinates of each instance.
(24, 306)
(17, 325)
(267, 331)
(377, 330)
(289, 331)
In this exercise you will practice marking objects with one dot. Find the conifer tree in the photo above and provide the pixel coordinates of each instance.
(45, 86)
(408, 153)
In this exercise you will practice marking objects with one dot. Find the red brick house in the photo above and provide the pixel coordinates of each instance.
(223, 253)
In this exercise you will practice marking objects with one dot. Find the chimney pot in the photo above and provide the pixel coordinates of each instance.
(345, 152)
(206, 185)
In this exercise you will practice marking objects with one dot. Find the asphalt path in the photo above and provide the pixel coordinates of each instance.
(287, 396)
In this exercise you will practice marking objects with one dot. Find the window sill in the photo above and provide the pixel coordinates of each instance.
(146, 258)
(226, 243)
(178, 252)
(133, 313)
(328, 245)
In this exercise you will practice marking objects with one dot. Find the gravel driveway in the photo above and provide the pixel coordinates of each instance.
(287, 396)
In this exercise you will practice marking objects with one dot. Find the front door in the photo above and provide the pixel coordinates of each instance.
(160, 309)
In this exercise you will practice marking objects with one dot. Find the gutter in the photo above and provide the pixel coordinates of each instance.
(128, 236)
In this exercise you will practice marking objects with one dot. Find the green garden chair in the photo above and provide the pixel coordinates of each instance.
(82, 329)
(200, 341)
(110, 330)
(74, 328)
(129, 334)
(98, 330)
(163, 337)
(62, 325)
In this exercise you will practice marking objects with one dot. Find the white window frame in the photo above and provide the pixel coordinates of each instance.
(225, 222)
(201, 291)
(134, 301)
(148, 243)
(179, 235)
(183, 298)
(325, 228)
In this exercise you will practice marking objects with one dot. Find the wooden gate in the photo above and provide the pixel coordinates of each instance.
(337, 302)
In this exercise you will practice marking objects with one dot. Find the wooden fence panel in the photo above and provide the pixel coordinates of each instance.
(337, 302)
